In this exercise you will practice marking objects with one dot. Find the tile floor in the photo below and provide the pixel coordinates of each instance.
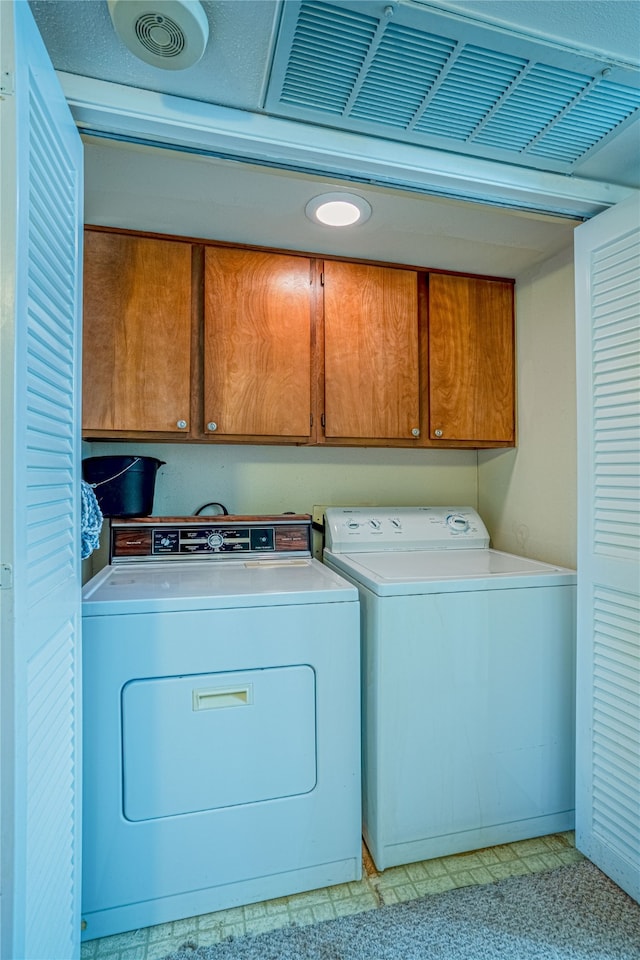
(395, 885)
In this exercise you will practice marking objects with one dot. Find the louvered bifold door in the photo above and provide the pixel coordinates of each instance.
(607, 254)
(41, 208)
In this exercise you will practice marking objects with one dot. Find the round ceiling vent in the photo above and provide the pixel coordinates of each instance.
(171, 34)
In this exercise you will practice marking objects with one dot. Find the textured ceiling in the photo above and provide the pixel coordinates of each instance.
(80, 39)
(608, 27)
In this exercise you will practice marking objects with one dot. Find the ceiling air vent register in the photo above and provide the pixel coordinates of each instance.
(407, 73)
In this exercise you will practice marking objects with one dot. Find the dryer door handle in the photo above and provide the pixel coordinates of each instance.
(214, 698)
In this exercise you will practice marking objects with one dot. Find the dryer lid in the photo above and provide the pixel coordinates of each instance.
(165, 586)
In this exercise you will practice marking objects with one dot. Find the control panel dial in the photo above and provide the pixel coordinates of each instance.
(457, 522)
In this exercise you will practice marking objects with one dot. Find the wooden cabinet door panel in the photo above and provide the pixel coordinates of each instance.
(137, 333)
(257, 343)
(371, 351)
(471, 359)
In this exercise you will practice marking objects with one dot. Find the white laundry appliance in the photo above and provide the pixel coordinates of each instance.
(468, 682)
(221, 721)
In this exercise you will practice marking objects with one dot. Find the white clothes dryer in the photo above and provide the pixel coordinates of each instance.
(467, 682)
(221, 721)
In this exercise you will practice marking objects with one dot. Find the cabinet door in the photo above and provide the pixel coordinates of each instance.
(137, 334)
(257, 344)
(471, 362)
(372, 385)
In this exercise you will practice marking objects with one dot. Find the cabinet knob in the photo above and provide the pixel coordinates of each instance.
(438, 432)
(181, 424)
(415, 432)
(212, 426)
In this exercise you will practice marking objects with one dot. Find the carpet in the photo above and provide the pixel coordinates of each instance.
(569, 913)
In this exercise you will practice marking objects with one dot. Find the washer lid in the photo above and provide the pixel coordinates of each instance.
(368, 529)
(446, 571)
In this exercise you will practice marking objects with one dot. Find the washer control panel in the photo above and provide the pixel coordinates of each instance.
(374, 529)
(181, 538)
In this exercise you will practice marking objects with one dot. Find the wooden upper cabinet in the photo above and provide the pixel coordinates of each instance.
(371, 369)
(471, 359)
(137, 334)
(213, 342)
(257, 344)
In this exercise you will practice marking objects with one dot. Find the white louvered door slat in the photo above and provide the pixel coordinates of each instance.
(40, 508)
(608, 695)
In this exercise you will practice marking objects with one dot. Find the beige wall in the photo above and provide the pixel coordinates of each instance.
(273, 479)
(527, 496)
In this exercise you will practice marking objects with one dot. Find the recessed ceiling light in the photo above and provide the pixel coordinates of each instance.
(338, 209)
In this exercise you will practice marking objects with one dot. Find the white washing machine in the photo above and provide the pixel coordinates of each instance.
(468, 682)
(221, 721)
